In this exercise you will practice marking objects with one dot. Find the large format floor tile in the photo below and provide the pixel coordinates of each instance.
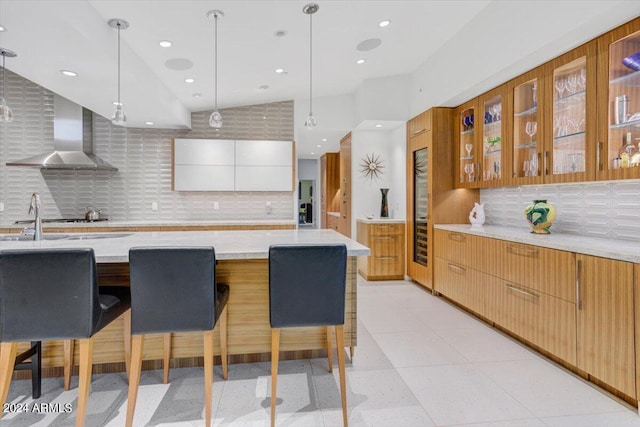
(420, 362)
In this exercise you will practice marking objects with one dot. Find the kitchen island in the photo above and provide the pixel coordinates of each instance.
(243, 265)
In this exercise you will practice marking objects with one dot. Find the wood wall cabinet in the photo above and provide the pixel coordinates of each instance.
(329, 186)
(430, 188)
(605, 310)
(345, 186)
(492, 125)
(615, 79)
(467, 134)
(386, 242)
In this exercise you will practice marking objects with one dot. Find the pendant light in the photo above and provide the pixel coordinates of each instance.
(310, 9)
(118, 117)
(215, 119)
(6, 115)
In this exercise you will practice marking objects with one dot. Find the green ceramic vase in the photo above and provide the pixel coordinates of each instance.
(540, 216)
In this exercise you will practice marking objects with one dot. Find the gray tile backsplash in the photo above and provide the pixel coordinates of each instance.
(143, 159)
(601, 209)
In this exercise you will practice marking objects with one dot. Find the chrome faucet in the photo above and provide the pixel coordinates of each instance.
(34, 208)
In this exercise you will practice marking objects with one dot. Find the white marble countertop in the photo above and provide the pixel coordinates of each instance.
(244, 244)
(336, 214)
(381, 221)
(155, 223)
(623, 250)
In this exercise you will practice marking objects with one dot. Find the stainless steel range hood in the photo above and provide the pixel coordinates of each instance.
(72, 141)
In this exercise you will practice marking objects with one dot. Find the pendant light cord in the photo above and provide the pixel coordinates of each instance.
(119, 103)
(216, 59)
(311, 64)
(4, 78)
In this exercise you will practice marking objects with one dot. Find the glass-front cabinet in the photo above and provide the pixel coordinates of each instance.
(526, 93)
(469, 160)
(619, 103)
(492, 132)
(569, 138)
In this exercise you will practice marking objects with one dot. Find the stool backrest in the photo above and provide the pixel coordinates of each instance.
(173, 289)
(307, 285)
(48, 294)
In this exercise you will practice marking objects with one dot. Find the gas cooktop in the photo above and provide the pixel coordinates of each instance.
(49, 220)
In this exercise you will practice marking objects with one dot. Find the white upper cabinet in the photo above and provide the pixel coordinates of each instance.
(227, 165)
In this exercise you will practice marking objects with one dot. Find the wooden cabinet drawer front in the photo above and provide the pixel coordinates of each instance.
(452, 281)
(544, 320)
(389, 265)
(386, 245)
(386, 229)
(460, 248)
(419, 124)
(545, 270)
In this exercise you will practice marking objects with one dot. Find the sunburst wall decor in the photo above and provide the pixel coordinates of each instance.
(371, 166)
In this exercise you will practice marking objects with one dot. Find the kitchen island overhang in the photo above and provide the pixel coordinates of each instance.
(242, 264)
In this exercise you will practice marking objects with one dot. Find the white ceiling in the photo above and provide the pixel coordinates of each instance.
(52, 35)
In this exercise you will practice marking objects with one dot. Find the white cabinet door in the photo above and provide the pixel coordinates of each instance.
(204, 178)
(264, 153)
(210, 152)
(264, 178)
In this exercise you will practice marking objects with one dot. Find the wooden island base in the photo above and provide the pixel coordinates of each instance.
(248, 328)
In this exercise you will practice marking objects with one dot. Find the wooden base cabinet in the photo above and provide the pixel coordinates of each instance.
(605, 310)
(386, 242)
(579, 308)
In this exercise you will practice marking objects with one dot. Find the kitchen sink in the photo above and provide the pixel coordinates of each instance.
(25, 238)
(97, 236)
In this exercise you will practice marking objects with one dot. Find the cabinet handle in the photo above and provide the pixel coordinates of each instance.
(521, 291)
(457, 269)
(457, 237)
(418, 131)
(384, 237)
(386, 257)
(539, 162)
(521, 251)
(579, 284)
(546, 162)
(600, 156)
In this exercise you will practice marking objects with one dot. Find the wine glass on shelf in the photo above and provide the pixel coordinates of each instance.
(531, 128)
(572, 83)
(560, 86)
(468, 147)
(582, 79)
(466, 122)
(533, 164)
(468, 168)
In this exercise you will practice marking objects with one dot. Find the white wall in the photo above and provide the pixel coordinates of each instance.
(365, 193)
(384, 98)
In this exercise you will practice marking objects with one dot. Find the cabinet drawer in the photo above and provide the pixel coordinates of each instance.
(550, 271)
(460, 284)
(386, 229)
(459, 248)
(419, 124)
(389, 265)
(541, 319)
(386, 245)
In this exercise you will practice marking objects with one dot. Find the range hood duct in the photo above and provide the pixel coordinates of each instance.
(72, 141)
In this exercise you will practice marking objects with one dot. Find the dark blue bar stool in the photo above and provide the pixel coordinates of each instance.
(52, 294)
(307, 287)
(174, 290)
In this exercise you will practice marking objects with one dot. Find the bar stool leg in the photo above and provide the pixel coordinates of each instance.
(165, 358)
(7, 360)
(352, 351)
(343, 383)
(127, 342)
(36, 373)
(275, 348)
(330, 349)
(68, 363)
(137, 342)
(84, 380)
(208, 376)
(223, 343)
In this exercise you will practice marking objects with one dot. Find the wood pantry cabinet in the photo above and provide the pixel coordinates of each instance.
(386, 242)
(344, 224)
(574, 307)
(430, 189)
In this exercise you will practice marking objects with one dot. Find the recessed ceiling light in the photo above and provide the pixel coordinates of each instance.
(148, 123)
(318, 146)
(279, 70)
(312, 153)
(189, 80)
(69, 73)
(324, 139)
(165, 43)
(2, 28)
(360, 61)
(384, 23)
(197, 95)
(280, 33)
(378, 125)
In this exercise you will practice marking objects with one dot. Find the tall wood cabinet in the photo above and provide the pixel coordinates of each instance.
(344, 224)
(329, 186)
(430, 195)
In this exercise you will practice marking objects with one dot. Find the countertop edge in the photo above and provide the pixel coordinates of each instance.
(621, 250)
